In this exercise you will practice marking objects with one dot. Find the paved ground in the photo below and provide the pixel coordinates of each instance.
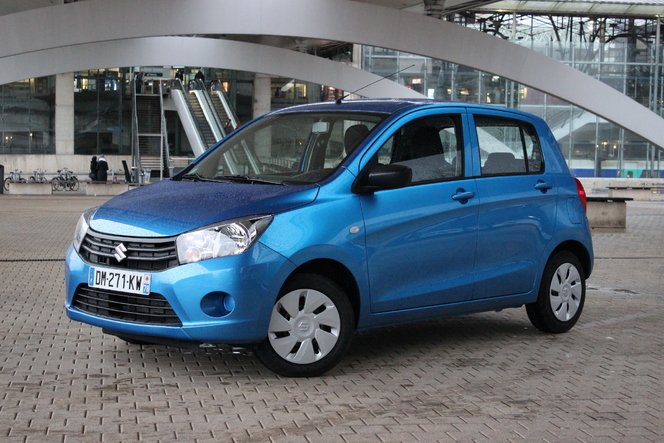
(488, 377)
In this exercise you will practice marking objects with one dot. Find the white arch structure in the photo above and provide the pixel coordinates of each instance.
(92, 23)
(192, 51)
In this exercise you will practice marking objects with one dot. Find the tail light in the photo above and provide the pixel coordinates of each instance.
(582, 194)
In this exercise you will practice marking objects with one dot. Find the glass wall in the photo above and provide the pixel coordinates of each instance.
(27, 117)
(102, 112)
(624, 54)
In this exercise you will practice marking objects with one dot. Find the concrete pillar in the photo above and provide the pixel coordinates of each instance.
(262, 94)
(64, 114)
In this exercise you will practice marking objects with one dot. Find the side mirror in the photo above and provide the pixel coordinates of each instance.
(383, 177)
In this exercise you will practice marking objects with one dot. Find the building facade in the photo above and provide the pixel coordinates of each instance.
(623, 52)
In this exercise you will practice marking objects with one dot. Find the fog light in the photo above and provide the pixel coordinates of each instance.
(217, 304)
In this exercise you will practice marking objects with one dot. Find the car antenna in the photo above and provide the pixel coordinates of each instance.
(373, 83)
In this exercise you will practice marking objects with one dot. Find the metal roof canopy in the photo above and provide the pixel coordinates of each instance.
(603, 8)
(612, 8)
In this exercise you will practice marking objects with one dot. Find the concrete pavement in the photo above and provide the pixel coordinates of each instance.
(485, 377)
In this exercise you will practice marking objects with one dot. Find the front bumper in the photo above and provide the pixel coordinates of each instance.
(247, 283)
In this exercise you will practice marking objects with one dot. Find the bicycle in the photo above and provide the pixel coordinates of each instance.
(38, 177)
(14, 177)
(65, 180)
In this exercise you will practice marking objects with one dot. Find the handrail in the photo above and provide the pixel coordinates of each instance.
(135, 151)
(225, 101)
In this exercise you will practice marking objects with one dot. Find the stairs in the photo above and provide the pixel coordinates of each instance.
(150, 141)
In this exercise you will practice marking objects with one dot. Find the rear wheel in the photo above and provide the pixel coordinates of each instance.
(73, 185)
(6, 183)
(561, 296)
(310, 328)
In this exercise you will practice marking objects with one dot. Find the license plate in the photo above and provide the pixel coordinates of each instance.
(121, 281)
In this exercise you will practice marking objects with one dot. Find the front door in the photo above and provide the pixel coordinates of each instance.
(420, 240)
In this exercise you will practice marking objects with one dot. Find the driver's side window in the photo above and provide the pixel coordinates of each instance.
(430, 146)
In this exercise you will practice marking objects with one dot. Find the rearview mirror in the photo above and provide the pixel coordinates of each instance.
(383, 177)
(320, 127)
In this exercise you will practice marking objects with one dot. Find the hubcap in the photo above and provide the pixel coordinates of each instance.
(565, 292)
(304, 326)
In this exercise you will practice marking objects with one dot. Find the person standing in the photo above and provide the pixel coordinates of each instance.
(139, 82)
(102, 169)
(200, 76)
(93, 169)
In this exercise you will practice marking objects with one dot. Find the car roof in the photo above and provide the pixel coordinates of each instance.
(383, 105)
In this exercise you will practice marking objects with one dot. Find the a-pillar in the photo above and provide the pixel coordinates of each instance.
(262, 94)
(64, 114)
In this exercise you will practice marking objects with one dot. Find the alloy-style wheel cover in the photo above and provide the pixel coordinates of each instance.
(304, 326)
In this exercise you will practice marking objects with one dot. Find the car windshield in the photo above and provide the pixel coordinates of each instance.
(294, 148)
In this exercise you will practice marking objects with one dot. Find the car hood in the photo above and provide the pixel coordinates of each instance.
(173, 207)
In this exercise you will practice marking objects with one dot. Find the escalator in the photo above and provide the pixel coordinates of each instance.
(206, 116)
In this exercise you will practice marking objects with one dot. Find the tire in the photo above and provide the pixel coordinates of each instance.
(6, 183)
(310, 329)
(562, 295)
(56, 184)
(32, 179)
(74, 184)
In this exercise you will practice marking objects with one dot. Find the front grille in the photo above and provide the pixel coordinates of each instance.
(151, 309)
(143, 254)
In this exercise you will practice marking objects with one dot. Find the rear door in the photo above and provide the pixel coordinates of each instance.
(518, 204)
(421, 239)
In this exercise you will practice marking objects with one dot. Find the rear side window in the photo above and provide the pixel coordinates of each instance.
(430, 146)
(508, 146)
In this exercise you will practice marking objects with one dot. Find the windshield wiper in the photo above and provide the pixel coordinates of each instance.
(248, 179)
(196, 177)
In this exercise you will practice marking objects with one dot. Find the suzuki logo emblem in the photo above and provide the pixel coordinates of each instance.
(120, 252)
(303, 326)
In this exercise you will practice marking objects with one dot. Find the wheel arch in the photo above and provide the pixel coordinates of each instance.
(339, 274)
(580, 251)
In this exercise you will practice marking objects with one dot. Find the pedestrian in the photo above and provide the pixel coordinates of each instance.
(139, 82)
(93, 169)
(102, 169)
(201, 77)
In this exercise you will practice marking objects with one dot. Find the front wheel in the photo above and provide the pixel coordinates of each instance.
(561, 296)
(56, 184)
(73, 185)
(310, 328)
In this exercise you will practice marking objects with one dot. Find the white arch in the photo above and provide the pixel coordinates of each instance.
(190, 51)
(99, 21)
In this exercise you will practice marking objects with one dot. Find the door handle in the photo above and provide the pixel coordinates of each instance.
(463, 195)
(543, 186)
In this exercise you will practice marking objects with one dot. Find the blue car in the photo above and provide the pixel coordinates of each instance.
(316, 221)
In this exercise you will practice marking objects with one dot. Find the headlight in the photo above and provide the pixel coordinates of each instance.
(82, 227)
(230, 238)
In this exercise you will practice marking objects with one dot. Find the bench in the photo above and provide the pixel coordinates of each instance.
(607, 212)
(31, 188)
(640, 193)
(105, 188)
